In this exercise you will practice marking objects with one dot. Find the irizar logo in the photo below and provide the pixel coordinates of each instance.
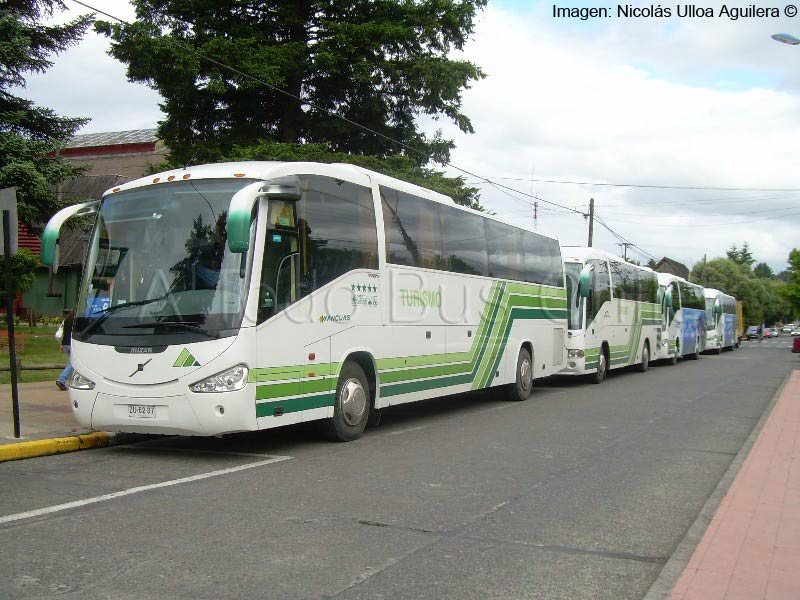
(185, 359)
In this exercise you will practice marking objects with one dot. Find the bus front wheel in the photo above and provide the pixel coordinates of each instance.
(523, 385)
(643, 366)
(351, 405)
(602, 368)
(673, 360)
(696, 354)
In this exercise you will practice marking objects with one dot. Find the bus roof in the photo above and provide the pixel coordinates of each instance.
(265, 170)
(584, 253)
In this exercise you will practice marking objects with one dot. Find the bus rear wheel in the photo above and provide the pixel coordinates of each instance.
(523, 385)
(351, 405)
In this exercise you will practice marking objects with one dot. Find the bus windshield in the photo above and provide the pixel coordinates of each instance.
(710, 320)
(575, 314)
(158, 267)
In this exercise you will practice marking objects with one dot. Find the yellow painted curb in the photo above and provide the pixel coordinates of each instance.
(20, 450)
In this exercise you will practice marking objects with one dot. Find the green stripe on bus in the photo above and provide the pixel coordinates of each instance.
(290, 405)
(425, 384)
(279, 390)
(424, 372)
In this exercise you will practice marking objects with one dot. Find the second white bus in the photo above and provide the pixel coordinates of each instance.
(613, 316)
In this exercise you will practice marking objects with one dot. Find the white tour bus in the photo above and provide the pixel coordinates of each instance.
(613, 313)
(683, 318)
(720, 320)
(245, 296)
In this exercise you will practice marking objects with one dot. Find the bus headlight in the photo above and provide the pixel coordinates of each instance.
(79, 382)
(575, 353)
(229, 380)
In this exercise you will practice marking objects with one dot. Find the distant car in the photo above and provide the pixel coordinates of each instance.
(753, 332)
(787, 329)
(796, 331)
(770, 332)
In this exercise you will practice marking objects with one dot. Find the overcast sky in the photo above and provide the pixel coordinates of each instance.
(674, 102)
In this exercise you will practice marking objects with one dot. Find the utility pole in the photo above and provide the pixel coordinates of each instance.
(625, 246)
(535, 214)
(705, 274)
(591, 221)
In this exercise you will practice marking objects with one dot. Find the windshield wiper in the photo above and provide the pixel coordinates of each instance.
(103, 314)
(178, 324)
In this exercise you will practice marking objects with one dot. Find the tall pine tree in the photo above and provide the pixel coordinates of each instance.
(29, 133)
(380, 63)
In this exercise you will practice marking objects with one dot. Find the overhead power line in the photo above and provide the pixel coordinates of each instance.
(648, 186)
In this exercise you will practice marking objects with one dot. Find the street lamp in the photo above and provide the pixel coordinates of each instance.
(785, 38)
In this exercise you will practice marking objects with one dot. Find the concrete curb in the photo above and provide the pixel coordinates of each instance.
(672, 571)
(20, 450)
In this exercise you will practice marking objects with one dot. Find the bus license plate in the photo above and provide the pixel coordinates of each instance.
(141, 411)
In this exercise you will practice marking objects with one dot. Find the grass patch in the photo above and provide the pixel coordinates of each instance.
(41, 348)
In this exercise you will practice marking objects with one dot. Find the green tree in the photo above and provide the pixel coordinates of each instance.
(792, 289)
(741, 257)
(763, 271)
(380, 63)
(735, 279)
(29, 134)
(764, 300)
(23, 272)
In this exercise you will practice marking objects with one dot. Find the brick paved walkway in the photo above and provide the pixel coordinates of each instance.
(751, 549)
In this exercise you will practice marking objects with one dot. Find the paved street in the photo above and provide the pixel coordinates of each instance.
(783, 341)
(584, 491)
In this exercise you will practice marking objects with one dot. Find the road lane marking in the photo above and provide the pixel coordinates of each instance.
(136, 490)
(165, 449)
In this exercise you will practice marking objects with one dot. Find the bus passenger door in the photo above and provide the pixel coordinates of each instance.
(599, 306)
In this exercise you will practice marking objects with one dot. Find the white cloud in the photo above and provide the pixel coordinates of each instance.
(590, 107)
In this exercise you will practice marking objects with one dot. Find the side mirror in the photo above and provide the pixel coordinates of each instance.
(668, 299)
(52, 231)
(717, 309)
(585, 282)
(241, 207)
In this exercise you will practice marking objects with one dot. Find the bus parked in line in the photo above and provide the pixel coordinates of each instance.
(721, 321)
(683, 318)
(245, 296)
(614, 318)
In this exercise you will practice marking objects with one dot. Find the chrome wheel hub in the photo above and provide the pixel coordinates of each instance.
(352, 401)
(525, 374)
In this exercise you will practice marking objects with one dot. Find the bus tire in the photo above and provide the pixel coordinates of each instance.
(696, 354)
(351, 405)
(523, 385)
(600, 375)
(645, 364)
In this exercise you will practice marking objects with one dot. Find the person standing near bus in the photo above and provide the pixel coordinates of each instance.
(66, 344)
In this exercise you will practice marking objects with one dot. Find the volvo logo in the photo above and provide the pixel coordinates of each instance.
(140, 367)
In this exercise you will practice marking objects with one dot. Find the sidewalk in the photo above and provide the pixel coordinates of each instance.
(751, 548)
(46, 423)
